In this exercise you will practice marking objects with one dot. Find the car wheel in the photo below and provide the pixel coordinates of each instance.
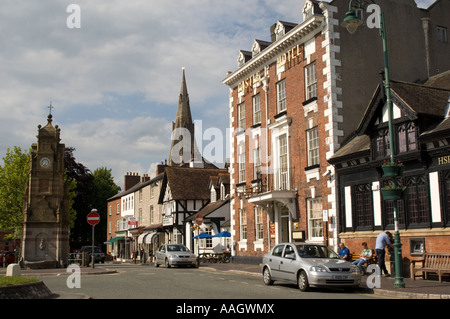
(267, 278)
(302, 281)
(167, 264)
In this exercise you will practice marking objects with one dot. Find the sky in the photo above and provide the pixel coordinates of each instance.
(114, 79)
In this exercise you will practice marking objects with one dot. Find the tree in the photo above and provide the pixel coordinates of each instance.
(82, 182)
(92, 191)
(103, 188)
(13, 180)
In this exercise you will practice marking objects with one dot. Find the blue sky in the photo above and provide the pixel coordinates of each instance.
(114, 82)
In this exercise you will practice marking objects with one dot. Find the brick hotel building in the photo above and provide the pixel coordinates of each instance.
(294, 99)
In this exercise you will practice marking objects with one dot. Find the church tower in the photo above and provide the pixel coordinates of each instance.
(45, 241)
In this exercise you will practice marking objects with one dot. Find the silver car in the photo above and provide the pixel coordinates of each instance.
(175, 255)
(308, 266)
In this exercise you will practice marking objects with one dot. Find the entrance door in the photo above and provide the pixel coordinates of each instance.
(284, 225)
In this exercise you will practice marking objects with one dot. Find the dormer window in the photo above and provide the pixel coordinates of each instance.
(256, 48)
(243, 57)
(308, 10)
(280, 31)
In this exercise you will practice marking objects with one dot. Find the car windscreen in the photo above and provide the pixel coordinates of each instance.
(316, 251)
(177, 248)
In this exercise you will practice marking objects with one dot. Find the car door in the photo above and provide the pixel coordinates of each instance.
(289, 264)
(274, 261)
(160, 254)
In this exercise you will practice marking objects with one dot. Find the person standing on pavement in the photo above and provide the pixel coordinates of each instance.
(383, 240)
(344, 252)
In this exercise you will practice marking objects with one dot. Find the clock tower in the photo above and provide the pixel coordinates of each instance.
(46, 206)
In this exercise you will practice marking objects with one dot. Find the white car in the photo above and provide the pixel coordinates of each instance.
(175, 255)
(309, 266)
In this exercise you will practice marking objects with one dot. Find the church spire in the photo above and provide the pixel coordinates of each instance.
(182, 150)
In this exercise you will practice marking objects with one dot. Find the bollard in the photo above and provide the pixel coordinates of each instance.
(13, 270)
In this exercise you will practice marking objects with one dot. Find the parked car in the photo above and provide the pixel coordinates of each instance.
(99, 256)
(175, 255)
(10, 257)
(308, 265)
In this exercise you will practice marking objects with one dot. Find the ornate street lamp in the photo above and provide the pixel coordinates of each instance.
(352, 22)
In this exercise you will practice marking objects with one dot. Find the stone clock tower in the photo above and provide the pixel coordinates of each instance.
(46, 206)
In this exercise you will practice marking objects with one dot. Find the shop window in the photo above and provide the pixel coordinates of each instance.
(418, 201)
(363, 212)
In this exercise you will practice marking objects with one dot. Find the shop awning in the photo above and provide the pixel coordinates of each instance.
(109, 242)
(142, 237)
(148, 239)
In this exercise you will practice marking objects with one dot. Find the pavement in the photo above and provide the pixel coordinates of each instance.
(414, 289)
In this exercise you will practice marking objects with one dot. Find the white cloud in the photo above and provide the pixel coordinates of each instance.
(115, 81)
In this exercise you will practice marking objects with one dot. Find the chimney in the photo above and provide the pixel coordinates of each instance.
(131, 179)
(160, 168)
(145, 178)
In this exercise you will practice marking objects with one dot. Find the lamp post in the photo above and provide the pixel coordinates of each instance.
(352, 22)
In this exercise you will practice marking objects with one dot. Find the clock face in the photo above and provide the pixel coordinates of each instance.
(45, 162)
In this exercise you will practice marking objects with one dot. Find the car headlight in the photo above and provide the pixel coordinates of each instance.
(318, 269)
(173, 256)
(355, 270)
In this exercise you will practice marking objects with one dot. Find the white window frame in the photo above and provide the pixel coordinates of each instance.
(259, 227)
(283, 168)
(312, 140)
(241, 116)
(315, 218)
(241, 163)
(310, 81)
(243, 224)
(281, 96)
(256, 101)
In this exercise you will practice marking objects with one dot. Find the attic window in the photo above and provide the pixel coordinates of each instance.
(256, 48)
(279, 31)
(308, 13)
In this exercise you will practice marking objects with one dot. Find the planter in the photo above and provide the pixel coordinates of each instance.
(392, 193)
(392, 170)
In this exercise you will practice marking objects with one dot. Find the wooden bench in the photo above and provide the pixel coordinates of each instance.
(373, 259)
(432, 262)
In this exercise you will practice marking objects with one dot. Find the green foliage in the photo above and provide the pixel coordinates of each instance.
(71, 183)
(13, 181)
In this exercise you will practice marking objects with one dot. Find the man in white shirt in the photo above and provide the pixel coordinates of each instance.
(383, 239)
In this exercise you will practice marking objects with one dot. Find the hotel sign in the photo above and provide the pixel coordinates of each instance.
(248, 82)
(444, 160)
(292, 53)
(296, 51)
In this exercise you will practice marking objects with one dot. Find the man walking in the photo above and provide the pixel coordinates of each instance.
(383, 240)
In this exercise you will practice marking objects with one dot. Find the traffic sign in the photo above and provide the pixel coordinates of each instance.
(93, 218)
(199, 219)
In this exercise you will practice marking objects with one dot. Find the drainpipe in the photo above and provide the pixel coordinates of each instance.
(426, 27)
